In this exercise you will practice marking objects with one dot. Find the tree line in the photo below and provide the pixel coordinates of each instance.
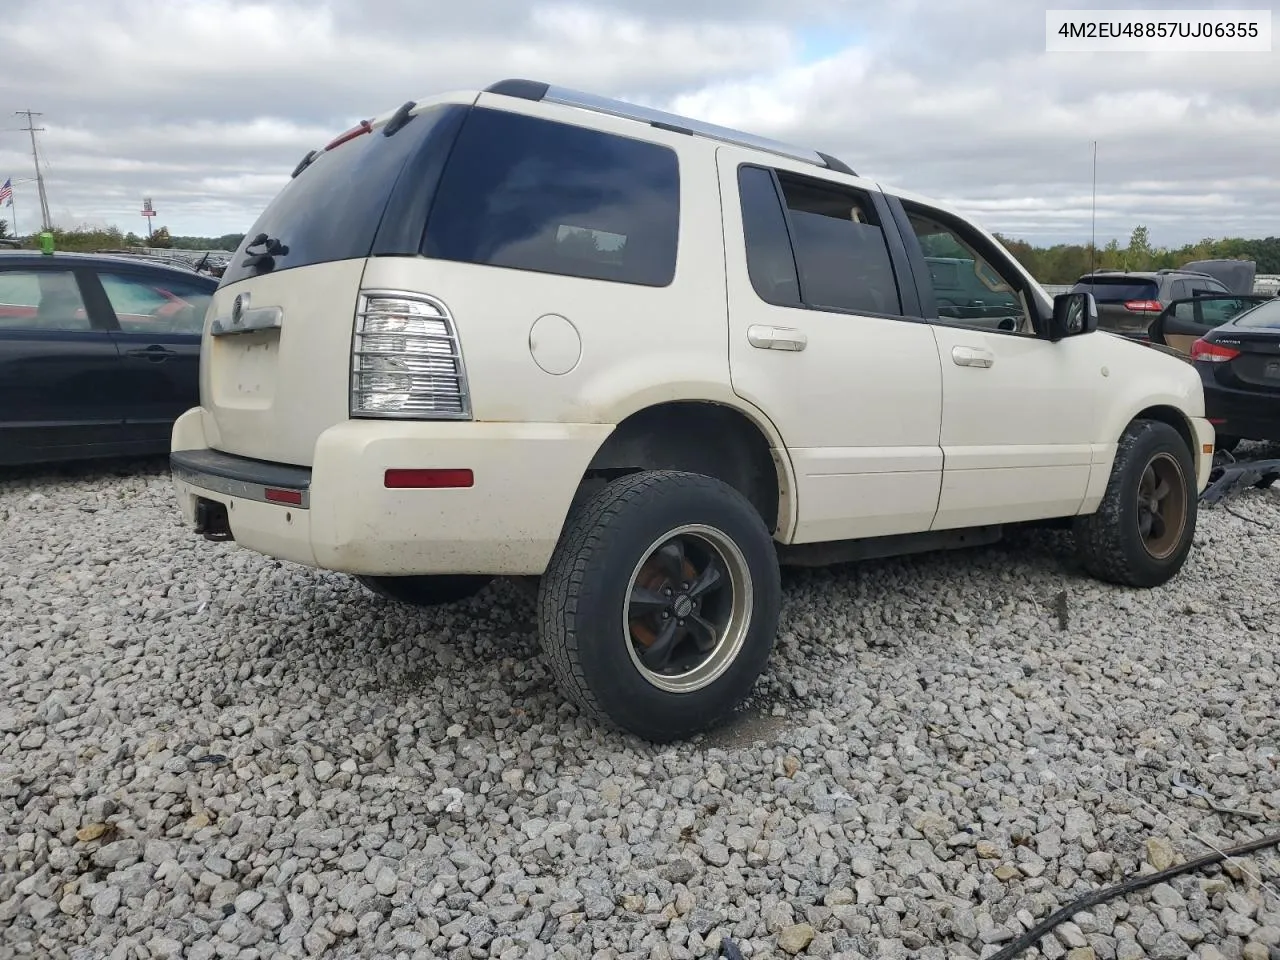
(89, 239)
(1060, 263)
(1067, 262)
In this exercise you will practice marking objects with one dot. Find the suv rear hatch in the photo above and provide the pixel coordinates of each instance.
(275, 367)
(1126, 303)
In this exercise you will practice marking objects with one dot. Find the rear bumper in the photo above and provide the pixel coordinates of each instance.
(1253, 415)
(339, 515)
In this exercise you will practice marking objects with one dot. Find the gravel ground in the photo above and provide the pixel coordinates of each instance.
(205, 753)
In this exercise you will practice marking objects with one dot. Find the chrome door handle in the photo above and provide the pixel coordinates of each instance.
(972, 357)
(776, 338)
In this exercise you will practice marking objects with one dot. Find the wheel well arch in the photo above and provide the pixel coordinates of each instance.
(701, 436)
(1174, 418)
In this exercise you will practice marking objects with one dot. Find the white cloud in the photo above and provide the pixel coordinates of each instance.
(207, 106)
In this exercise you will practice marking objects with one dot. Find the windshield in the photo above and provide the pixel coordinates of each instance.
(1264, 316)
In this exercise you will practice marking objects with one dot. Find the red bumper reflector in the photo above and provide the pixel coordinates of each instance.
(1216, 422)
(428, 479)
(284, 496)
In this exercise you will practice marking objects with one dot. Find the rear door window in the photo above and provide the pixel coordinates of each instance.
(822, 234)
(533, 194)
(149, 305)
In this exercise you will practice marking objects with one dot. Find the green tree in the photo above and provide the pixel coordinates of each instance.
(1139, 250)
(160, 240)
(4, 228)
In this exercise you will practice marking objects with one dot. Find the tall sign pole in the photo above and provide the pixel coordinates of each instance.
(148, 211)
(31, 128)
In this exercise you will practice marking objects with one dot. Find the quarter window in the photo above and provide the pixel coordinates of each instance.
(534, 194)
(41, 300)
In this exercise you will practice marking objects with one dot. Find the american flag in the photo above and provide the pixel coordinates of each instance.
(6, 193)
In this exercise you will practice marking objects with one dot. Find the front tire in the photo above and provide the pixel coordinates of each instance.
(1142, 531)
(426, 591)
(659, 609)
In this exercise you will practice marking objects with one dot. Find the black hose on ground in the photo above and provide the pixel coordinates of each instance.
(730, 951)
(1033, 936)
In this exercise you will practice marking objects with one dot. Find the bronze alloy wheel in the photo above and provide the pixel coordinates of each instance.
(1162, 505)
(688, 608)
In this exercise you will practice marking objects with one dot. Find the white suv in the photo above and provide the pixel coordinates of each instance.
(531, 332)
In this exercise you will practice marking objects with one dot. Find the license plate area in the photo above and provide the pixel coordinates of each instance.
(242, 370)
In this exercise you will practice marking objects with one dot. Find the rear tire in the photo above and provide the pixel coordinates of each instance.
(426, 591)
(1142, 531)
(659, 609)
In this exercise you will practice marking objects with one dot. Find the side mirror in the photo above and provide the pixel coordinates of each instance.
(1073, 314)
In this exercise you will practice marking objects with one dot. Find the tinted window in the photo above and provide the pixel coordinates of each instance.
(1179, 289)
(1265, 315)
(41, 300)
(333, 208)
(533, 194)
(770, 262)
(840, 250)
(150, 305)
(1118, 289)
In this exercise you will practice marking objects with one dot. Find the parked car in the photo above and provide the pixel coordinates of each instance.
(1129, 300)
(1239, 365)
(531, 332)
(98, 354)
(1183, 322)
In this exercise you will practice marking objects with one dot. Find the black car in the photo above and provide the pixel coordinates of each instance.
(98, 354)
(1239, 364)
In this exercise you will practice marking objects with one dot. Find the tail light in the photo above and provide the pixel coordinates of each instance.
(1143, 306)
(1206, 352)
(406, 359)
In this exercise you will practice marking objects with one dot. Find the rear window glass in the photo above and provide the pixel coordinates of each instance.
(332, 209)
(1264, 315)
(534, 194)
(1107, 290)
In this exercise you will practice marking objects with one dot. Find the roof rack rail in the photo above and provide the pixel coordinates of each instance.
(547, 93)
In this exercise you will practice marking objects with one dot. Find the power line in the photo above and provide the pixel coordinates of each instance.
(32, 129)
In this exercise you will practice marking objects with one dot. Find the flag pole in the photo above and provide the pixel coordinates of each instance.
(13, 218)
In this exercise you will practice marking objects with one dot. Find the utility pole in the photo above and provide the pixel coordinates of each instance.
(32, 129)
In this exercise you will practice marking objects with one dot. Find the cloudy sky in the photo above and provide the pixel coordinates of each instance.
(206, 105)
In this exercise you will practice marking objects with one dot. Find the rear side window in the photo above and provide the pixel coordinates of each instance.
(840, 249)
(533, 194)
(1117, 290)
(332, 210)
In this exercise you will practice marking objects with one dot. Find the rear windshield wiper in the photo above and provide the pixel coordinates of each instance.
(304, 163)
(264, 259)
